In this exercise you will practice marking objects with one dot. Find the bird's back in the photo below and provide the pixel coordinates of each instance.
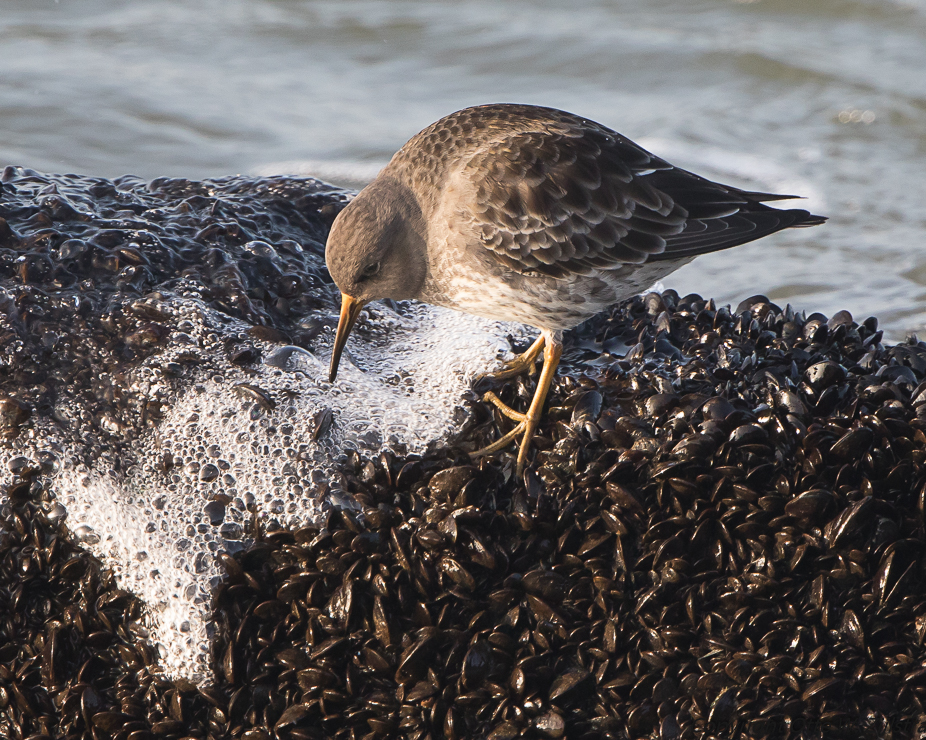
(546, 192)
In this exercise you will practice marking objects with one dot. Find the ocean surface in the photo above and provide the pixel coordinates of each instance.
(825, 99)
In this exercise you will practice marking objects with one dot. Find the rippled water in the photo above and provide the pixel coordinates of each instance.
(823, 98)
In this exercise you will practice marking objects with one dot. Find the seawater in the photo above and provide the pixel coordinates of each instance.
(824, 99)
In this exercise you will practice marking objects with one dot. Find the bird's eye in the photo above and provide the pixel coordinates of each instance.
(371, 269)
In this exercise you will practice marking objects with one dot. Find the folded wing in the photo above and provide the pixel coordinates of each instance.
(575, 197)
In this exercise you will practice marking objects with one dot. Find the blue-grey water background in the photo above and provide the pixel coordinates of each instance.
(825, 98)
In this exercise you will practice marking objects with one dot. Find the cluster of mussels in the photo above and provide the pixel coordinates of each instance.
(79, 254)
(721, 535)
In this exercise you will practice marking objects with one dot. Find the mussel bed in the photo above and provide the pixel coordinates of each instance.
(721, 534)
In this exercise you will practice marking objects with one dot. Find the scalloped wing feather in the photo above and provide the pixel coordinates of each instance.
(556, 194)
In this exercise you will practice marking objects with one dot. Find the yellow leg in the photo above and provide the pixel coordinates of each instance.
(499, 443)
(503, 407)
(551, 354)
(527, 423)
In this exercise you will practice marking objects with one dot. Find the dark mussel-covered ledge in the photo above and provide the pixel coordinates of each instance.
(721, 534)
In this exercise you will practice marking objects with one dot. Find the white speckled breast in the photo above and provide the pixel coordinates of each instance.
(472, 281)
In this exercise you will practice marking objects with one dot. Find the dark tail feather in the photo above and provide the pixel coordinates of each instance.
(811, 220)
(758, 197)
(712, 235)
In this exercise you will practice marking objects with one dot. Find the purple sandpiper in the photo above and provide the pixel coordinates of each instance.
(534, 215)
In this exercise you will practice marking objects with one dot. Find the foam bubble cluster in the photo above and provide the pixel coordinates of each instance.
(164, 366)
(238, 444)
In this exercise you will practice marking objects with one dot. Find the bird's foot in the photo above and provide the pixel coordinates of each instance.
(527, 423)
(499, 443)
(523, 363)
(504, 407)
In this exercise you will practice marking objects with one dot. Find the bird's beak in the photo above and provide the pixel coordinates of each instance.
(350, 309)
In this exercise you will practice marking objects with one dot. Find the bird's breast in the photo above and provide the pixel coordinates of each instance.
(476, 283)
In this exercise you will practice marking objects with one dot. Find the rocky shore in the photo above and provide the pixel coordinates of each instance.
(722, 533)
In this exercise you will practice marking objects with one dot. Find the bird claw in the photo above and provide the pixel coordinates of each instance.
(499, 443)
(490, 397)
(525, 362)
(527, 423)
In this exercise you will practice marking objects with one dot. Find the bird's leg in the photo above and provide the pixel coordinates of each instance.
(522, 363)
(490, 397)
(552, 350)
(551, 354)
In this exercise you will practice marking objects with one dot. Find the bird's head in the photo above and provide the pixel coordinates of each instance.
(376, 249)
